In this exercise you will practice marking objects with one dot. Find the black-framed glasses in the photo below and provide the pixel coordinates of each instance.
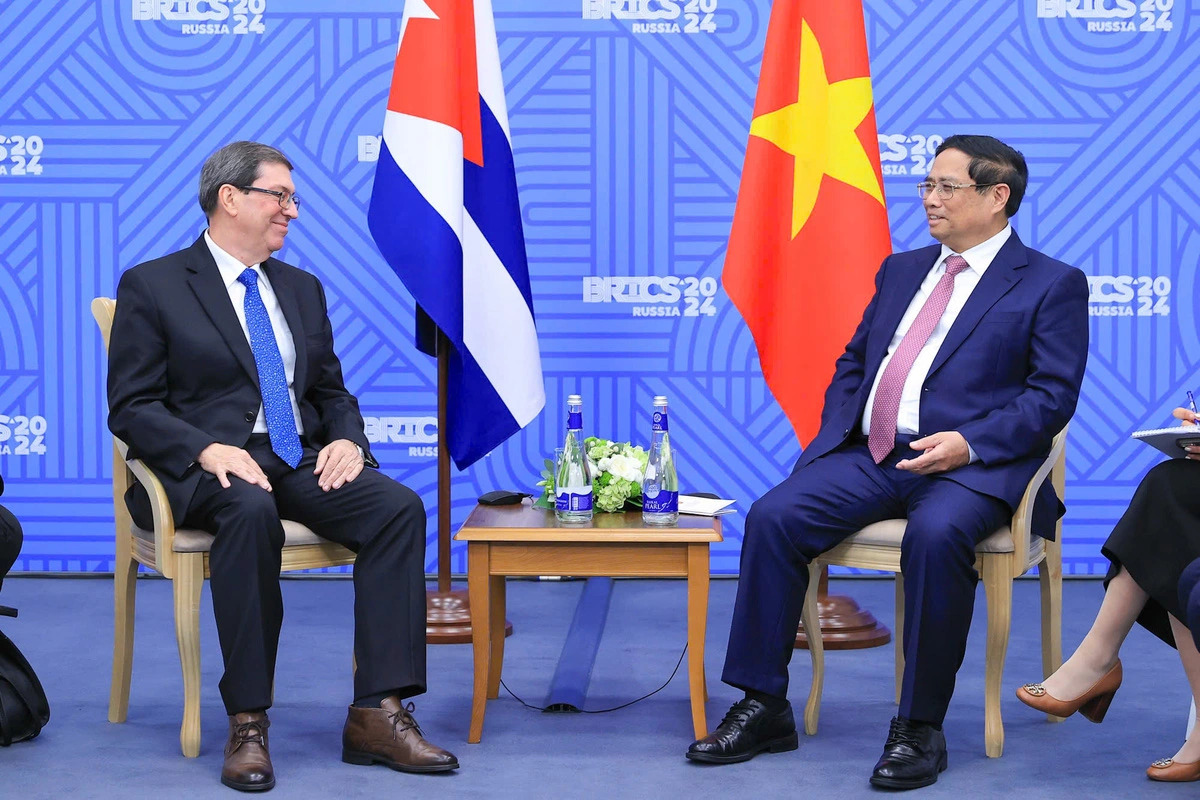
(945, 189)
(285, 198)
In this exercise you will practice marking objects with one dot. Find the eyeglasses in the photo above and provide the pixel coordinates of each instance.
(946, 190)
(285, 198)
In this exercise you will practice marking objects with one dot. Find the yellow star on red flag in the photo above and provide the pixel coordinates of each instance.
(818, 131)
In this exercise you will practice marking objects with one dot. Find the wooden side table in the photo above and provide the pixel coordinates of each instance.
(523, 540)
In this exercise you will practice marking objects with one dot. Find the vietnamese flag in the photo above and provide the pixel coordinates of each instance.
(810, 229)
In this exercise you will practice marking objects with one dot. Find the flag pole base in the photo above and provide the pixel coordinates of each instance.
(448, 618)
(844, 625)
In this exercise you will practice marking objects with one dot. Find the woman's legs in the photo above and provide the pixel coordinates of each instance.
(1190, 752)
(1097, 653)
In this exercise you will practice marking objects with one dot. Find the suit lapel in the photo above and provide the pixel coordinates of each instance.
(210, 290)
(290, 306)
(897, 302)
(1001, 276)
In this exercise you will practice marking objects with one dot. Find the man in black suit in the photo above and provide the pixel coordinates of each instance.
(224, 380)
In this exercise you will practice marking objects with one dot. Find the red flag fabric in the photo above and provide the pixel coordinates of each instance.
(810, 228)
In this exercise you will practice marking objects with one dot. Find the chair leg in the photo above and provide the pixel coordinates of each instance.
(1050, 578)
(816, 649)
(898, 635)
(188, 580)
(997, 582)
(124, 604)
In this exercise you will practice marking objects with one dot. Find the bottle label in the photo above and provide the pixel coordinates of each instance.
(575, 421)
(660, 501)
(659, 421)
(573, 499)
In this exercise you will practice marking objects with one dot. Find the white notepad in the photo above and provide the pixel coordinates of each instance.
(1170, 440)
(704, 506)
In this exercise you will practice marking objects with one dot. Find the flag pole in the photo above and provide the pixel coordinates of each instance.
(447, 611)
(443, 471)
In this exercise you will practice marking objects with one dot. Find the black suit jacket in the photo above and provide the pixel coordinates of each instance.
(182, 376)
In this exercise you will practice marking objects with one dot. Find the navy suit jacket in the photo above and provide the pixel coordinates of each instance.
(181, 373)
(1007, 376)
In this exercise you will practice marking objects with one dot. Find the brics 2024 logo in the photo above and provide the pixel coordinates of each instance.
(654, 296)
(205, 17)
(419, 433)
(1129, 296)
(902, 154)
(657, 16)
(21, 155)
(23, 435)
(1112, 16)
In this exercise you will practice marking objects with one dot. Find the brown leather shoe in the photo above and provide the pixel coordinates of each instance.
(390, 736)
(247, 763)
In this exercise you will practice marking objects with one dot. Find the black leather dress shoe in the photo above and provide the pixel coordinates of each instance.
(913, 755)
(749, 728)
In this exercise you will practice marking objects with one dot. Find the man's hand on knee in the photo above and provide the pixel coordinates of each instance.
(943, 452)
(224, 460)
(338, 463)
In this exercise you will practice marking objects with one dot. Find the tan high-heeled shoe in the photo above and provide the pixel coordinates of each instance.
(1166, 769)
(1092, 704)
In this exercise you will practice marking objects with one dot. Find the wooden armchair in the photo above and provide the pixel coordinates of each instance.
(181, 555)
(1008, 553)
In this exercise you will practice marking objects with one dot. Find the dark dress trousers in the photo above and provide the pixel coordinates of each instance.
(181, 377)
(1007, 378)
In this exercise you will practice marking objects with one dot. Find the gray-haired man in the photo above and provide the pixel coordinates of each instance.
(224, 380)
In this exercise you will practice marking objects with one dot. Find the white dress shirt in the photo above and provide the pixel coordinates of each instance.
(979, 258)
(231, 268)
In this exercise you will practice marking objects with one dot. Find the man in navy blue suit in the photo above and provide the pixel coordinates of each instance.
(967, 362)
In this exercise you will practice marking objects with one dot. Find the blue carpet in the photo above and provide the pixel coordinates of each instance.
(65, 629)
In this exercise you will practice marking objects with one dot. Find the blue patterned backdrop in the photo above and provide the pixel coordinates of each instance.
(629, 120)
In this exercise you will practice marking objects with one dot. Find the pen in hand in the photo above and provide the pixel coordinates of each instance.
(1189, 415)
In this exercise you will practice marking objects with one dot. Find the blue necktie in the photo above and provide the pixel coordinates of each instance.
(272, 380)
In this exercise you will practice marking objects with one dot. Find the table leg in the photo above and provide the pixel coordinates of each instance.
(478, 585)
(496, 603)
(697, 581)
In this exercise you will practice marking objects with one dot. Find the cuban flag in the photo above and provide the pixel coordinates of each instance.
(445, 215)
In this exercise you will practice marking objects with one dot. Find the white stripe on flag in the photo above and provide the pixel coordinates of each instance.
(498, 328)
(431, 155)
(487, 57)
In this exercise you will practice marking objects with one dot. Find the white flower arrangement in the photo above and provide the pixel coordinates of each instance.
(617, 469)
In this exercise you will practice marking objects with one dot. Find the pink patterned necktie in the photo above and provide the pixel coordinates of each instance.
(886, 407)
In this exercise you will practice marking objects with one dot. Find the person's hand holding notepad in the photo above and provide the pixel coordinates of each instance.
(1189, 418)
(1182, 441)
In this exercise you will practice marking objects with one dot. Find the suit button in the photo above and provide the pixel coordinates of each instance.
(250, 415)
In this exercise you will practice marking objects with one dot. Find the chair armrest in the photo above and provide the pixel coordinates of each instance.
(1022, 522)
(160, 507)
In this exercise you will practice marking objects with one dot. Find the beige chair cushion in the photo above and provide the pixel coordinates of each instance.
(889, 532)
(190, 540)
